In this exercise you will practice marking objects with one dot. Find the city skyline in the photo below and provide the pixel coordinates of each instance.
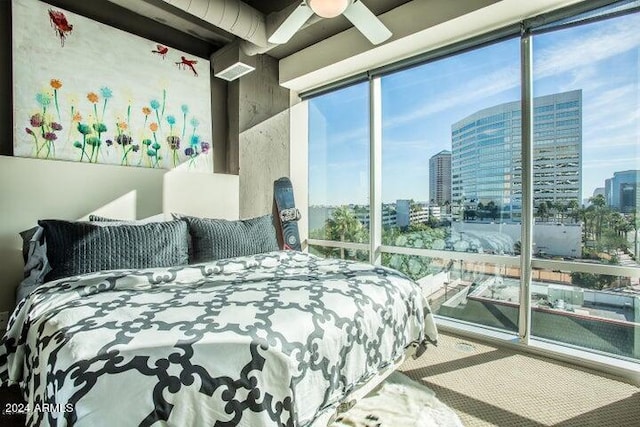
(421, 104)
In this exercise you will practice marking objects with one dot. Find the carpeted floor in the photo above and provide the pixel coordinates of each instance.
(489, 385)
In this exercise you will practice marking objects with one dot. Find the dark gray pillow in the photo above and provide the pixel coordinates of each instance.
(214, 239)
(27, 243)
(154, 218)
(98, 218)
(81, 247)
(34, 251)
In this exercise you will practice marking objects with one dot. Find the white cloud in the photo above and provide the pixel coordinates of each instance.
(611, 114)
(608, 142)
(467, 93)
(578, 52)
(576, 56)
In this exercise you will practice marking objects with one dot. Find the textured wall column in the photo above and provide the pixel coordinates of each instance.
(262, 123)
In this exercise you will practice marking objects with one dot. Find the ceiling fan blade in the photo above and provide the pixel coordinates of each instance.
(368, 23)
(291, 24)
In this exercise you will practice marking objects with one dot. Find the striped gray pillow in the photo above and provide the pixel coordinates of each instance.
(214, 239)
(81, 247)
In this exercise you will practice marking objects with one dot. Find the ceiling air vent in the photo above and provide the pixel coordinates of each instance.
(230, 62)
(235, 71)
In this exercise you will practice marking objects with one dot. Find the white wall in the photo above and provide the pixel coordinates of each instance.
(553, 239)
(201, 194)
(32, 189)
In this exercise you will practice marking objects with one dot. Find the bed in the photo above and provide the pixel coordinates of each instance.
(264, 338)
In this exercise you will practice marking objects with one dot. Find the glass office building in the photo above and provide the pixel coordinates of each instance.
(486, 154)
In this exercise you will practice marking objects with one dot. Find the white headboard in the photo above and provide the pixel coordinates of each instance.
(33, 189)
(201, 194)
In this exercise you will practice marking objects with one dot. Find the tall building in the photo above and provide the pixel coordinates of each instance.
(403, 213)
(621, 191)
(486, 161)
(440, 178)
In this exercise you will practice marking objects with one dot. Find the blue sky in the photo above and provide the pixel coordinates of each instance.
(421, 104)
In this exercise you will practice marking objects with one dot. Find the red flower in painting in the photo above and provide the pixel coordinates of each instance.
(50, 136)
(36, 120)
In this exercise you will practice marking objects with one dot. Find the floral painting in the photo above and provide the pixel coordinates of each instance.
(87, 92)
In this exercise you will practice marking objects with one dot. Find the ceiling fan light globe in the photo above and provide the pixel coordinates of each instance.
(328, 8)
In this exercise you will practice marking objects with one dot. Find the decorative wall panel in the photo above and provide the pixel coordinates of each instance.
(87, 92)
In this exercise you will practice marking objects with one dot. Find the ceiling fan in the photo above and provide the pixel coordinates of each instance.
(354, 10)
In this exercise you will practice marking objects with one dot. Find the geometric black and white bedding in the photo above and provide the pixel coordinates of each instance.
(263, 340)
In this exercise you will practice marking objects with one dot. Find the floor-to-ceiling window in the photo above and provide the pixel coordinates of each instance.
(450, 149)
(586, 175)
(339, 172)
(454, 198)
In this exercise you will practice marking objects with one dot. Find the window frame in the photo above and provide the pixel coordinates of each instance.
(525, 261)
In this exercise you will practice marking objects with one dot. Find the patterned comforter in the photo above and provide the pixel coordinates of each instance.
(264, 340)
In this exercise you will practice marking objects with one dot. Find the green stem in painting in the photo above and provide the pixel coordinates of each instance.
(55, 100)
(104, 108)
(38, 148)
(157, 156)
(84, 145)
(124, 157)
(97, 148)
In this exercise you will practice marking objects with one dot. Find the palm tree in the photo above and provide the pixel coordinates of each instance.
(573, 208)
(601, 212)
(480, 210)
(543, 211)
(493, 209)
(634, 223)
(550, 208)
(561, 208)
(344, 225)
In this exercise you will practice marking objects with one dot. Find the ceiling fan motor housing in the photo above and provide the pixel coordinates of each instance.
(328, 8)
